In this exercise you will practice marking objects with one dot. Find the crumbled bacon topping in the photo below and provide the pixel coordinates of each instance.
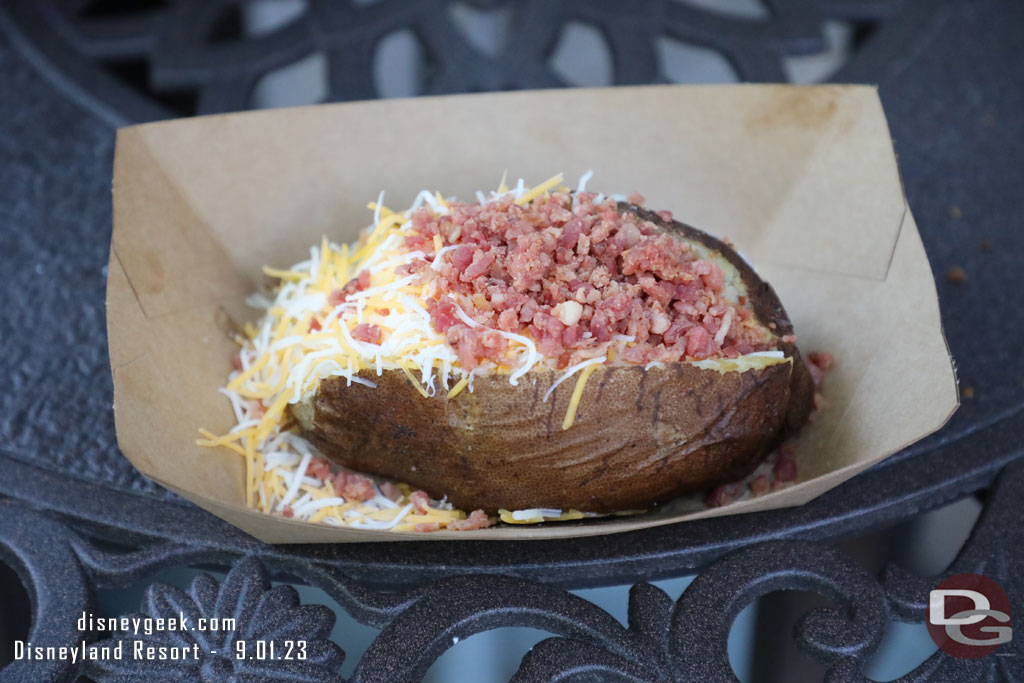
(572, 276)
(352, 486)
(760, 485)
(319, 468)
(356, 284)
(367, 333)
(724, 494)
(477, 520)
(390, 491)
(818, 364)
(785, 466)
(420, 502)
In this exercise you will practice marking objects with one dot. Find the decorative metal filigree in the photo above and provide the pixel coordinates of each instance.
(272, 638)
(181, 57)
(664, 641)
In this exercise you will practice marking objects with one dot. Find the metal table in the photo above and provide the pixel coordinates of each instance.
(75, 516)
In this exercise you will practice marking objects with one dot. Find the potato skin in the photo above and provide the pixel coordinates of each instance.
(640, 436)
(767, 309)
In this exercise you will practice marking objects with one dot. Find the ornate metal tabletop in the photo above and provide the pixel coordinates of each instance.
(76, 517)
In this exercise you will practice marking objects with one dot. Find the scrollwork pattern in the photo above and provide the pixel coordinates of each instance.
(193, 64)
(271, 638)
(665, 640)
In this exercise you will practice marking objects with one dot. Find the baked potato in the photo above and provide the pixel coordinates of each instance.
(642, 434)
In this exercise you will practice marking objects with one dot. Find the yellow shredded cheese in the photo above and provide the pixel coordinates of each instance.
(577, 394)
(532, 194)
(459, 386)
(415, 382)
(283, 274)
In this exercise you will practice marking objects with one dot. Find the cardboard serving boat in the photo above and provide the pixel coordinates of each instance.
(802, 179)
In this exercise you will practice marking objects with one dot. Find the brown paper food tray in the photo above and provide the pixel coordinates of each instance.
(803, 179)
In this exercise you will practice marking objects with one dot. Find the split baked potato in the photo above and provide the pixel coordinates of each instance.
(642, 434)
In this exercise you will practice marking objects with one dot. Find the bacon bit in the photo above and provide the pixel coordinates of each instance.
(760, 485)
(571, 232)
(352, 486)
(461, 258)
(664, 256)
(711, 274)
(443, 314)
(818, 364)
(480, 265)
(236, 360)
(472, 345)
(785, 466)
(390, 491)
(817, 374)
(287, 512)
(508, 320)
(956, 275)
(724, 494)
(427, 526)
(819, 404)
(356, 284)
(477, 520)
(420, 502)
(822, 359)
(384, 311)
(967, 391)
(698, 342)
(367, 333)
(629, 234)
(319, 469)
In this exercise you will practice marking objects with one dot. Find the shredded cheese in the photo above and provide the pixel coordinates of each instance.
(459, 386)
(570, 372)
(304, 338)
(530, 195)
(310, 331)
(577, 394)
(538, 515)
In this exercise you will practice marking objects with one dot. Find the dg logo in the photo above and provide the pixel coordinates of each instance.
(969, 616)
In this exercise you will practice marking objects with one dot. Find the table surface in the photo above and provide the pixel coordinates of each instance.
(951, 77)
